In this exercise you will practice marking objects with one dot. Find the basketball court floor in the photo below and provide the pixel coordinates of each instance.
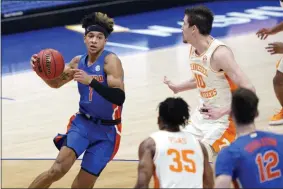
(150, 47)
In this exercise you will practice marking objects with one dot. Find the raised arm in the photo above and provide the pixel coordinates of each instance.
(146, 165)
(65, 77)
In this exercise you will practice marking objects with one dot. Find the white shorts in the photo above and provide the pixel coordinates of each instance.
(279, 65)
(217, 134)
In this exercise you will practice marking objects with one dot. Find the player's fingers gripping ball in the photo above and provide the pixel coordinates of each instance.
(49, 64)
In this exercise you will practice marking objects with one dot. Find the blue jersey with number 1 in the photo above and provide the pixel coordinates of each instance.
(253, 161)
(91, 102)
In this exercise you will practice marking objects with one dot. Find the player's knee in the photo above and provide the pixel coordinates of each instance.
(57, 171)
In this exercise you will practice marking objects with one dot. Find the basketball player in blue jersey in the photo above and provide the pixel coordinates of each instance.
(96, 128)
(255, 159)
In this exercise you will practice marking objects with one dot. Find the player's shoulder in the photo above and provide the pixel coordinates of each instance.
(233, 150)
(158, 134)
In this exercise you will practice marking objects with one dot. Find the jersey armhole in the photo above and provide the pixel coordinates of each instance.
(215, 48)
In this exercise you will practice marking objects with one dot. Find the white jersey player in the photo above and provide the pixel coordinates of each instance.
(215, 74)
(176, 159)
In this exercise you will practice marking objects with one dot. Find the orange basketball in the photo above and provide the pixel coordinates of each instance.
(50, 64)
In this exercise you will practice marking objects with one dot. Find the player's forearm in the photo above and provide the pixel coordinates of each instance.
(60, 81)
(187, 85)
(113, 95)
(277, 28)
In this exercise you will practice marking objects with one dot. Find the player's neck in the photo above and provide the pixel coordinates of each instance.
(245, 129)
(202, 44)
(92, 57)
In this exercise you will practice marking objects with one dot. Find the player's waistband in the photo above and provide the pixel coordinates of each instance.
(99, 121)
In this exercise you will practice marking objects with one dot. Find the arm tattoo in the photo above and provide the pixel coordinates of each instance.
(64, 76)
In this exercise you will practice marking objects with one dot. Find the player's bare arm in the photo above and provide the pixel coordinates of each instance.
(208, 180)
(223, 181)
(65, 77)
(223, 59)
(146, 165)
(265, 32)
(114, 70)
(114, 92)
(184, 86)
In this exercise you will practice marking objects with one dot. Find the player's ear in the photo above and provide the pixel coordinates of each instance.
(257, 113)
(84, 38)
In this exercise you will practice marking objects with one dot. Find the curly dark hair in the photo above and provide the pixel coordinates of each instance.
(174, 112)
(99, 18)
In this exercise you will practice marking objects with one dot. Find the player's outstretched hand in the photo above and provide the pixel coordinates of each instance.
(170, 85)
(33, 61)
(264, 33)
(82, 77)
(275, 48)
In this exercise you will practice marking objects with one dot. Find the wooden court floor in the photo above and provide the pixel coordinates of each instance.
(39, 112)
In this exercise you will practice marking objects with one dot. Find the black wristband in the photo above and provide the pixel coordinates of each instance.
(113, 95)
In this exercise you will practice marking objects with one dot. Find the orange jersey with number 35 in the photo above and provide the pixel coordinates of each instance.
(178, 160)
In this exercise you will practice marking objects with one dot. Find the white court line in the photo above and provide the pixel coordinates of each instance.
(127, 46)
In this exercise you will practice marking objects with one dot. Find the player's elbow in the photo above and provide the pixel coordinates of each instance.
(54, 86)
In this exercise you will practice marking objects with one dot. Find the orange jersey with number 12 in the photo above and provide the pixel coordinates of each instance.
(178, 160)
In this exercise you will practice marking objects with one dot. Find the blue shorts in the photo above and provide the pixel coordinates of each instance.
(99, 142)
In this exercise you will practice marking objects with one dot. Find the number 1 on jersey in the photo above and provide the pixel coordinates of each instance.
(266, 164)
(90, 94)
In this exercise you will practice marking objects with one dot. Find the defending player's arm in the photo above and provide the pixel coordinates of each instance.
(184, 86)
(224, 168)
(114, 92)
(264, 32)
(65, 77)
(146, 165)
(208, 180)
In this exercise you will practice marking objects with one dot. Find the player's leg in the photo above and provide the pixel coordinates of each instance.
(192, 127)
(61, 166)
(71, 146)
(97, 157)
(217, 136)
(277, 119)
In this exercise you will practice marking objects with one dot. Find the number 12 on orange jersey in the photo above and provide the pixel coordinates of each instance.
(181, 158)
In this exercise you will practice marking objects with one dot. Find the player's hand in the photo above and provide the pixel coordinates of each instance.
(82, 77)
(212, 112)
(264, 33)
(275, 48)
(170, 85)
(33, 60)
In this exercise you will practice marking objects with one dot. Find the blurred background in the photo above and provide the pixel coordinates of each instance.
(19, 16)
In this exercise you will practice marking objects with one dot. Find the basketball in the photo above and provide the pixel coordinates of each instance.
(50, 64)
